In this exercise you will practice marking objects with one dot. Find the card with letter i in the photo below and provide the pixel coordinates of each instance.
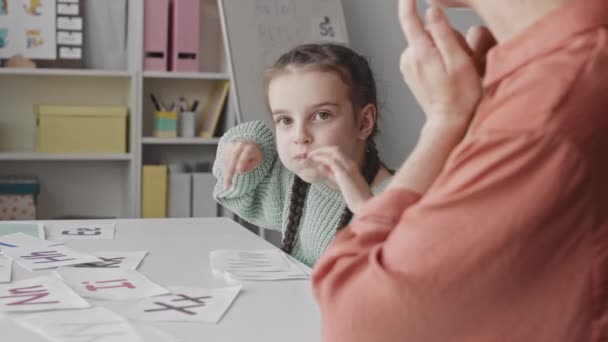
(110, 284)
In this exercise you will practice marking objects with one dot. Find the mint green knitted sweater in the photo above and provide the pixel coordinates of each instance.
(262, 195)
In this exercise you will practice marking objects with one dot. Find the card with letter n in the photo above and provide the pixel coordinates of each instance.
(38, 294)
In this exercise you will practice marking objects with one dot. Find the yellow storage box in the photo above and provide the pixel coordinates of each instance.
(81, 129)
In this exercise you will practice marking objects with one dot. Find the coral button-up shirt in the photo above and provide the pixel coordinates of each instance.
(511, 241)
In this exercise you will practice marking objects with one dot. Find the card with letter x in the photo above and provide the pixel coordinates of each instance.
(186, 304)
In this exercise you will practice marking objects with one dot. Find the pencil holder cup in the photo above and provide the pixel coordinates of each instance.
(165, 124)
(187, 124)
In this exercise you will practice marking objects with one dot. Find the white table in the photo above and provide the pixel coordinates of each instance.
(178, 255)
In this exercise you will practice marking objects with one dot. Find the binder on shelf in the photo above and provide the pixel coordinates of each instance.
(156, 34)
(213, 109)
(105, 30)
(185, 35)
(154, 191)
(180, 194)
(203, 204)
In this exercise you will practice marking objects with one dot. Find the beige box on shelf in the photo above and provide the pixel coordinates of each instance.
(81, 129)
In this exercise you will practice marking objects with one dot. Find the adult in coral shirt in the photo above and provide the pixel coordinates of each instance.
(496, 226)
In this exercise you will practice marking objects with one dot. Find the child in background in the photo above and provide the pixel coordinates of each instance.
(323, 164)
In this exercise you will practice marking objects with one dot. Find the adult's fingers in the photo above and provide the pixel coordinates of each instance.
(481, 40)
(453, 53)
(463, 42)
(413, 26)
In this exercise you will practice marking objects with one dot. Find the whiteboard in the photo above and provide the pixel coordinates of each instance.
(257, 32)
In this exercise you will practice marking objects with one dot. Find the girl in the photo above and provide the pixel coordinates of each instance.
(324, 108)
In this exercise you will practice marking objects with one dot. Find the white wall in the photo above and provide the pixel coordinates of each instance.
(374, 31)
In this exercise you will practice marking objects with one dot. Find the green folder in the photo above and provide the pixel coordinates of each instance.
(33, 229)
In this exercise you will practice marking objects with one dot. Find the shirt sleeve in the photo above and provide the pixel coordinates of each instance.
(450, 264)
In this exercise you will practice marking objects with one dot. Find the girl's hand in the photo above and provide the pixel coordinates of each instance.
(240, 156)
(342, 173)
(439, 67)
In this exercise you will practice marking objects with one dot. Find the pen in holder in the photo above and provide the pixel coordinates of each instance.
(187, 124)
(165, 124)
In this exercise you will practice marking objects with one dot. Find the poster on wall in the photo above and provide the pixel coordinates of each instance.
(28, 27)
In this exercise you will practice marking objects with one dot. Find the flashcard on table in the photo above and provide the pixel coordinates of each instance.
(186, 304)
(150, 333)
(110, 284)
(6, 267)
(80, 231)
(116, 260)
(295, 273)
(48, 257)
(32, 229)
(21, 240)
(90, 325)
(255, 265)
(252, 260)
(38, 294)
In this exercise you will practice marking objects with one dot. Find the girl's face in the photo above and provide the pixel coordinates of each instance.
(312, 109)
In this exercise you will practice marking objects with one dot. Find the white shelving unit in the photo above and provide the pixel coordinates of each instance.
(107, 185)
(180, 141)
(65, 72)
(74, 157)
(187, 75)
